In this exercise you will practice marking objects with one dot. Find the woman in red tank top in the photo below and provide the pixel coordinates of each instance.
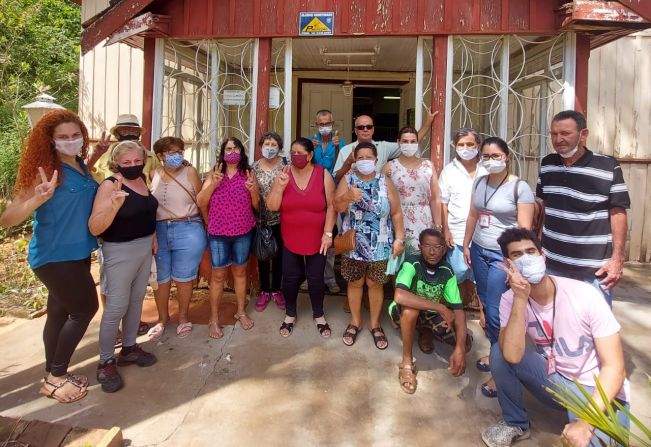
(304, 193)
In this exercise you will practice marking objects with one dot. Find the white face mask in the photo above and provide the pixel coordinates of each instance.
(467, 153)
(365, 166)
(571, 153)
(409, 149)
(69, 147)
(269, 152)
(494, 166)
(327, 130)
(532, 267)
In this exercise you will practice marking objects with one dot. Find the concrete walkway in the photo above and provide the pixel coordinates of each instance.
(255, 387)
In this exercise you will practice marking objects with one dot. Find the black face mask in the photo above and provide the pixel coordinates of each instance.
(128, 137)
(131, 172)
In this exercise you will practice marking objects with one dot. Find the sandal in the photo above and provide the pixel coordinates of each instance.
(488, 391)
(77, 380)
(184, 329)
(377, 339)
(218, 333)
(239, 317)
(483, 367)
(349, 334)
(322, 328)
(156, 332)
(52, 394)
(287, 326)
(143, 328)
(407, 377)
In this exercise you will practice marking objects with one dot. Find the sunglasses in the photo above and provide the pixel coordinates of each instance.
(364, 127)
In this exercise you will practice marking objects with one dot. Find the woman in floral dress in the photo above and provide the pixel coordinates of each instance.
(417, 184)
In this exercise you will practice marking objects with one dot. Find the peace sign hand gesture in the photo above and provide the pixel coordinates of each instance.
(282, 179)
(217, 175)
(45, 190)
(117, 195)
(251, 183)
(520, 286)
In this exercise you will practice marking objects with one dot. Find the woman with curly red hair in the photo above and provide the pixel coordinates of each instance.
(55, 185)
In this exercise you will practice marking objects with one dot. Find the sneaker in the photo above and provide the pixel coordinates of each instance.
(109, 377)
(263, 300)
(503, 435)
(333, 287)
(136, 356)
(279, 299)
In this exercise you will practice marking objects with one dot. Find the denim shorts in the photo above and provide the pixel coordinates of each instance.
(227, 250)
(459, 266)
(180, 247)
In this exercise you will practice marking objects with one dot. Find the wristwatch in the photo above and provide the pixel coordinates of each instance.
(328, 233)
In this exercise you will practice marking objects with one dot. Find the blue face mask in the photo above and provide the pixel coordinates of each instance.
(173, 160)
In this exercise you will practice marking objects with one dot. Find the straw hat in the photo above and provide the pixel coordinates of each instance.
(127, 120)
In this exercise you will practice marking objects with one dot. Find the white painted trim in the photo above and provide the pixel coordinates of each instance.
(418, 100)
(158, 89)
(569, 71)
(254, 100)
(503, 118)
(214, 102)
(447, 138)
(287, 119)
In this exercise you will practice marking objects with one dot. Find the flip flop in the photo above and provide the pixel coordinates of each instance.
(143, 328)
(156, 332)
(52, 394)
(239, 317)
(483, 367)
(184, 329)
(488, 391)
(220, 333)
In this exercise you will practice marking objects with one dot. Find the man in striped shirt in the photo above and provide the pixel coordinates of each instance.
(585, 207)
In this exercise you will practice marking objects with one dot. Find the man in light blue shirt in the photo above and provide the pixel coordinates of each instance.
(326, 141)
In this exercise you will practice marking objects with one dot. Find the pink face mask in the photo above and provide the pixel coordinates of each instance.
(232, 158)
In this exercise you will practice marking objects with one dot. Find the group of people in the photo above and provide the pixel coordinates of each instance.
(473, 223)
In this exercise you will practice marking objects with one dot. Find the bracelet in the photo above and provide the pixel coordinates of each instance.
(328, 234)
(438, 227)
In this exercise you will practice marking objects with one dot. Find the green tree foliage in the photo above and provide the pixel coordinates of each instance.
(39, 47)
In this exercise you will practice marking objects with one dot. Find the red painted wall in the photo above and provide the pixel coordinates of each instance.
(279, 18)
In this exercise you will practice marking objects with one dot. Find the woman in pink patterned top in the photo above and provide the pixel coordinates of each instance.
(417, 184)
(230, 193)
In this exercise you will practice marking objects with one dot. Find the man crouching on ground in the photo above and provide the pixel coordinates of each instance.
(575, 335)
(421, 286)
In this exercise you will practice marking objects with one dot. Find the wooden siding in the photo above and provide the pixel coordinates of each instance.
(619, 113)
(90, 8)
(110, 83)
(279, 18)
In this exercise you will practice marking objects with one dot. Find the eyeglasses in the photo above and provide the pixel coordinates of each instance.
(364, 127)
(487, 157)
(432, 247)
(176, 151)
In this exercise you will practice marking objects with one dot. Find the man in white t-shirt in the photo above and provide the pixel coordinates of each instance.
(575, 335)
(386, 150)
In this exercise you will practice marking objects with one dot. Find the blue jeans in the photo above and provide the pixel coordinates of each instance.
(491, 284)
(458, 264)
(594, 282)
(531, 373)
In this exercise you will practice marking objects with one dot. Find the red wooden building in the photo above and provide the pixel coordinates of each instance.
(216, 68)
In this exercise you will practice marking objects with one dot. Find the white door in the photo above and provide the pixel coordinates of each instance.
(326, 96)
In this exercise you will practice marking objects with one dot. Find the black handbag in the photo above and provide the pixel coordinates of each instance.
(265, 246)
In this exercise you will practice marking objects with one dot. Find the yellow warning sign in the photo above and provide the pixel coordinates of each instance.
(316, 24)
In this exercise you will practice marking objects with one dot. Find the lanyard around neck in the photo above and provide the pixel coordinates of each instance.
(498, 187)
(549, 340)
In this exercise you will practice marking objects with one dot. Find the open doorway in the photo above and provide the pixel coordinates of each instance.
(383, 105)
